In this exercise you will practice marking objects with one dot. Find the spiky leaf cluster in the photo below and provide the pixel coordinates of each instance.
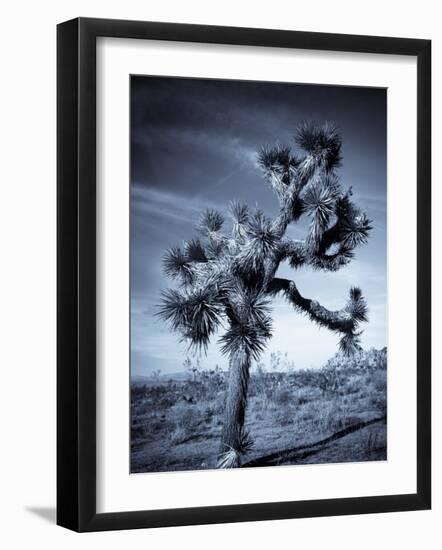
(322, 145)
(350, 345)
(240, 217)
(355, 230)
(231, 458)
(320, 202)
(194, 251)
(211, 221)
(357, 306)
(261, 241)
(250, 322)
(177, 265)
(194, 314)
(280, 167)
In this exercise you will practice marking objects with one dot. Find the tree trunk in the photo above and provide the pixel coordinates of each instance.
(236, 400)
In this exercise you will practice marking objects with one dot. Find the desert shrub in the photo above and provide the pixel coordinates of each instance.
(209, 413)
(153, 398)
(309, 412)
(255, 409)
(379, 403)
(188, 418)
(165, 402)
(285, 417)
(202, 384)
(282, 397)
(304, 377)
(281, 362)
(156, 425)
(379, 380)
(306, 395)
(326, 416)
(381, 386)
(353, 385)
(138, 391)
(259, 382)
(329, 417)
(137, 431)
(178, 435)
(363, 360)
(371, 442)
(219, 403)
(142, 408)
(328, 380)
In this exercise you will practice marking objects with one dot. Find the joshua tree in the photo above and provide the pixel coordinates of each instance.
(227, 280)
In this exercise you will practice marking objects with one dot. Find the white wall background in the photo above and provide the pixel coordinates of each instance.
(27, 274)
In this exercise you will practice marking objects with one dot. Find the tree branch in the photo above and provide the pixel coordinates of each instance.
(291, 207)
(298, 254)
(292, 250)
(331, 262)
(344, 320)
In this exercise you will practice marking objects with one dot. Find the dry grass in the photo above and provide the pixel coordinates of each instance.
(177, 426)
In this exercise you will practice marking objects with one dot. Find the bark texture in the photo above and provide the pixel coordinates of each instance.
(232, 437)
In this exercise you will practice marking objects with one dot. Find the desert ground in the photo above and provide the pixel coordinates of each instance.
(329, 415)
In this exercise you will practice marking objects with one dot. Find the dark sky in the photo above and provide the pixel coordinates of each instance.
(193, 145)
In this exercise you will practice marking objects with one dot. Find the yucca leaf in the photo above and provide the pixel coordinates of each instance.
(355, 230)
(176, 265)
(194, 251)
(211, 221)
(261, 235)
(214, 248)
(322, 143)
(279, 166)
(250, 338)
(349, 344)
(357, 306)
(173, 309)
(229, 459)
(204, 312)
(195, 314)
(239, 212)
(240, 216)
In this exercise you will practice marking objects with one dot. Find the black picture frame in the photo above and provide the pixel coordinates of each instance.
(76, 274)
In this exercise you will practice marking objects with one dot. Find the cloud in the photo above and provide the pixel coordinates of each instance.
(147, 201)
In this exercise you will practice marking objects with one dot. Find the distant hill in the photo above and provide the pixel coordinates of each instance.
(162, 379)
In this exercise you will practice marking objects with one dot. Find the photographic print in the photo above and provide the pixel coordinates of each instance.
(258, 284)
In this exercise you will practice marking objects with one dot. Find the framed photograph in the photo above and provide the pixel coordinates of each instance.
(243, 274)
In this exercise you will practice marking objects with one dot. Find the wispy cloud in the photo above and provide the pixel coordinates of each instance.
(149, 201)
